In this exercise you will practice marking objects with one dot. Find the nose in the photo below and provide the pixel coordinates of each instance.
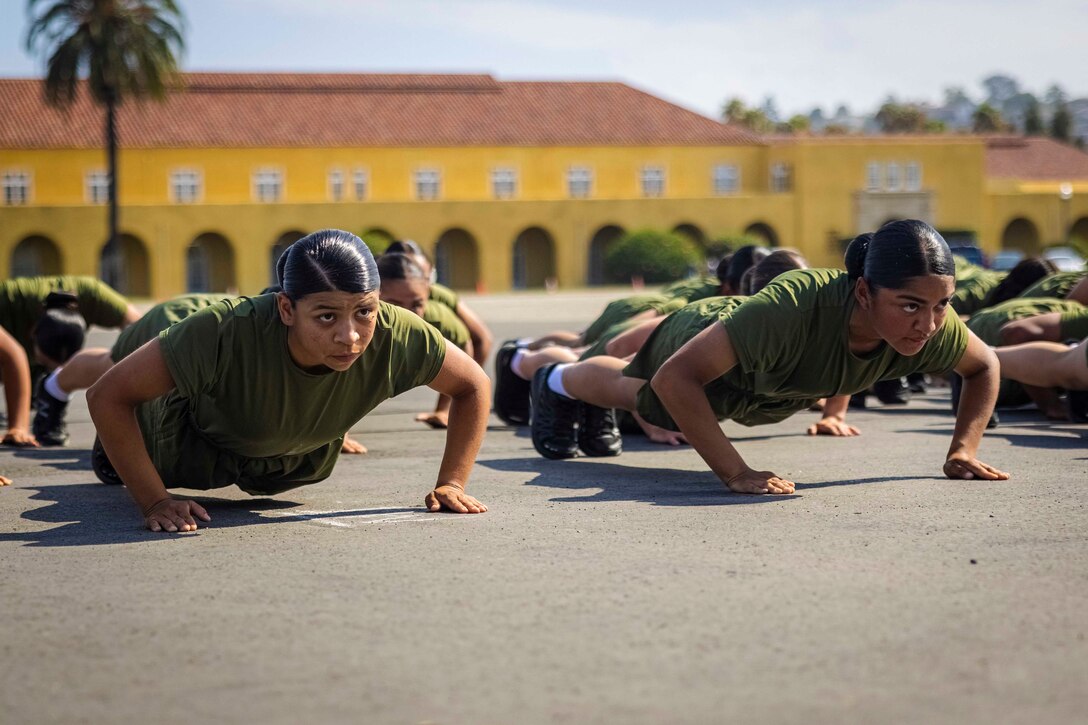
(346, 334)
(927, 323)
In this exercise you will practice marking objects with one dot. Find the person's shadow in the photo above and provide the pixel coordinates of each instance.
(94, 514)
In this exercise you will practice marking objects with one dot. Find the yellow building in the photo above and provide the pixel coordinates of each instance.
(507, 184)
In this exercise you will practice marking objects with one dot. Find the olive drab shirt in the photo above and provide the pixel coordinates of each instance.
(443, 319)
(792, 346)
(243, 412)
(22, 301)
(1058, 285)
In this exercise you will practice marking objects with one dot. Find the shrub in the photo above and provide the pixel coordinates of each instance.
(654, 255)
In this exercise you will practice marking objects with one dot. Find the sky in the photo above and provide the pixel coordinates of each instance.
(697, 53)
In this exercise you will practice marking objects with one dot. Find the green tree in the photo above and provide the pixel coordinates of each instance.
(1061, 123)
(654, 255)
(1033, 121)
(901, 118)
(124, 49)
(797, 123)
(986, 119)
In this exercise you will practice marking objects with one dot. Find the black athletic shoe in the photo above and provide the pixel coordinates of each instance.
(554, 419)
(892, 392)
(918, 383)
(102, 466)
(511, 392)
(598, 434)
(858, 402)
(1076, 402)
(49, 426)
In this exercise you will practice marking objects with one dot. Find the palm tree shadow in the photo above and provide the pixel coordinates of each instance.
(93, 514)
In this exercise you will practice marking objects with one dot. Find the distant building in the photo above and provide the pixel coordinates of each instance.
(506, 184)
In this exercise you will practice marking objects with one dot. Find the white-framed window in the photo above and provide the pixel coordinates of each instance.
(428, 183)
(579, 182)
(781, 180)
(360, 184)
(336, 184)
(16, 186)
(873, 176)
(726, 179)
(895, 177)
(96, 186)
(504, 183)
(914, 176)
(268, 184)
(652, 180)
(185, 185)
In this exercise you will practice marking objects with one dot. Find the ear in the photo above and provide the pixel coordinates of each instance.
(863, 294)
(286, 309)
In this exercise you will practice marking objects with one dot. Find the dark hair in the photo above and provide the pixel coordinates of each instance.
(898, 251)
(329, 260)
(774, 264)
(1026, 273)
(406, 246)
(400, 266)
(745, 257)
(270, 290)
(60, 331)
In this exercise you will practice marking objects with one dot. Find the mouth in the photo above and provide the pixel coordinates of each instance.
(347, 356)
(917, 340)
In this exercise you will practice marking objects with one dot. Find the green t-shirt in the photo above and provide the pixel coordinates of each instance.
(1058, 285)
(792, 347)
(987, 323)
(443, 319)
(624, 309)
(696, 288)
(22, 300)
(244, 413)
(973, 285)
(157, 319)
(446, 296)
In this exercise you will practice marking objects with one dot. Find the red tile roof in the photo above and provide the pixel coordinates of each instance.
(329, 110)
(1017, 157)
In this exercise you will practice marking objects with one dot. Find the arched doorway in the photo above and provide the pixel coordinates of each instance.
(132, 270)
(209, 264)
(35, 256)
(1079, 231)
(377, 239)
(598, 248)
(534, 259)
(1021, 234)
(285, 240)
(764, 231)
(692, 232)
(455, 259)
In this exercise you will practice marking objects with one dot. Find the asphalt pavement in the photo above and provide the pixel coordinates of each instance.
(632, 589)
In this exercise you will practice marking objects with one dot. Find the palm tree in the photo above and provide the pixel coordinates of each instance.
(124, 48)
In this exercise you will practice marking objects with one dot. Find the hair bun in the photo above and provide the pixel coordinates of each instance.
(855, 255)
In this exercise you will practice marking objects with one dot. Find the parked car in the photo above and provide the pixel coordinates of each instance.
(1066, 259)
(970, 252)
(1006, 259)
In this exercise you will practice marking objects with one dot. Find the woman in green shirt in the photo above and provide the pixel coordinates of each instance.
(405, 284)
(259, 392)
(810, 334)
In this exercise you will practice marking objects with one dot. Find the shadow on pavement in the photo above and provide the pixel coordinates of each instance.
(616, 482)
(93, 514)
(62, 459)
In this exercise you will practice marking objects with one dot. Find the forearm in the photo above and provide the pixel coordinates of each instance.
(687, 404)
(443, 403)
(124, 445)
(469, 411)
(16, 376)
(976, 405)
(836, 407)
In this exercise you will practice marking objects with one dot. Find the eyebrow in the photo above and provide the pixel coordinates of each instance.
(919, 300)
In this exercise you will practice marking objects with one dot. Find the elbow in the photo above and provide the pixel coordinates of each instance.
(1014, 333)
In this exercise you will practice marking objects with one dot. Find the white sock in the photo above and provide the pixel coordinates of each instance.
(515, 365)
(53, 389)
(555, 380)
(523, 341)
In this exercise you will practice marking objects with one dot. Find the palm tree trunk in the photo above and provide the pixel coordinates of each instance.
(111, 258)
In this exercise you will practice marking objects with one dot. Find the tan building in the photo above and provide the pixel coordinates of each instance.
(506, 183)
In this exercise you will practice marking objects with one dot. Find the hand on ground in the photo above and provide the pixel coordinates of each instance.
(352, 446)
(174, 515)
(969, 467)
(453, 498)
(657, 434)
(759, 482)
(19, 438)
(5, 481)
(440, 420)
(832, 426)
